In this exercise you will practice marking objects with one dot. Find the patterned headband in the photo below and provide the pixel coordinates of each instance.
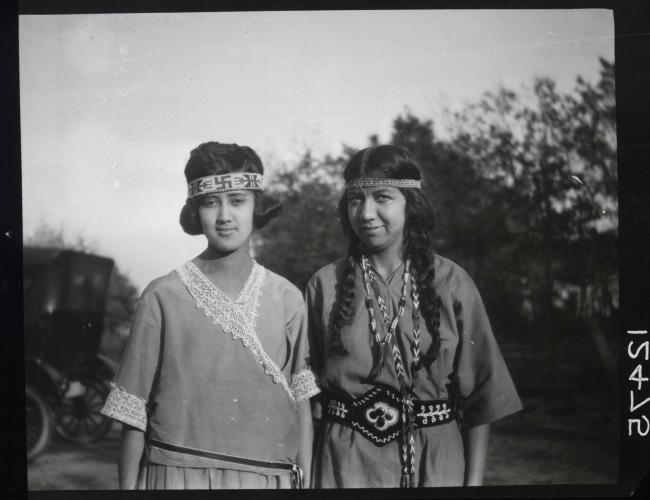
(224, 183)
(370, 182)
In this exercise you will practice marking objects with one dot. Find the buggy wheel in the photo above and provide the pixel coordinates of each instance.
(78, 418)
(38, 421)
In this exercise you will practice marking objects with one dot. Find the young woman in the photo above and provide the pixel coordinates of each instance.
(403, 350)
(213, 387)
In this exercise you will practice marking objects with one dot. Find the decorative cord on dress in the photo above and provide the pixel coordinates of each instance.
(407, 420)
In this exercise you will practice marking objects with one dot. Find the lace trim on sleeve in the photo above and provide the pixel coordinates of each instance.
(126, 408)
(303, 385)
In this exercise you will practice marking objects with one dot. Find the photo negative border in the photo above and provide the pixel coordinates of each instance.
(632, 49)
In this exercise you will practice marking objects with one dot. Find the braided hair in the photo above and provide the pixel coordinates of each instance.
(394, 163)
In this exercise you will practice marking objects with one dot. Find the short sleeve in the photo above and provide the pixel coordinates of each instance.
(487, 392)
(314, 300)
(303, 383)
(131, 388)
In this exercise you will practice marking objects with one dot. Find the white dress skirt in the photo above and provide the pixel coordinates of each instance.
(166, 477)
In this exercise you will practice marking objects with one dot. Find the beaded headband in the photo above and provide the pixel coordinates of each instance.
(370, 182)
(224, 183)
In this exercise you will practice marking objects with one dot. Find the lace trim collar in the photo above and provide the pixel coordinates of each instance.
(236, 318)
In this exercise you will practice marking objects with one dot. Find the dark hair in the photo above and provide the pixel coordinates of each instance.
(214, 158)
(391, 162)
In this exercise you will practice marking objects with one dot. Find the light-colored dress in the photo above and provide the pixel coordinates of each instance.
(206, 373)
(344, 457)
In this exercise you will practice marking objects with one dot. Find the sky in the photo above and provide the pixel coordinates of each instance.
(112, 104)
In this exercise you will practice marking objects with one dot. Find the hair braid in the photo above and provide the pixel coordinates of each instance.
(344, 307)
(429, 306)
(418, 244)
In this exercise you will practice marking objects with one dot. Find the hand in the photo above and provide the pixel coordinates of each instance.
(476, 445)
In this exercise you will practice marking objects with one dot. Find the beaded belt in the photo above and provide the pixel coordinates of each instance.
(377, 413)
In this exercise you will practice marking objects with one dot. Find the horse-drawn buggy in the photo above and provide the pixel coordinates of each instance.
(66, 378)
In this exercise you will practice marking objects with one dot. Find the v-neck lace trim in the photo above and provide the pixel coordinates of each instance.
(236, 318)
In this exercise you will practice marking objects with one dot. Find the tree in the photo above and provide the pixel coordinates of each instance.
(550, 162)
(306, 236)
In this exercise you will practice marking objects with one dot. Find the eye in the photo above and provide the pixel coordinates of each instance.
(237, 201)
(354, 201)
(382, 197)
(209, 202)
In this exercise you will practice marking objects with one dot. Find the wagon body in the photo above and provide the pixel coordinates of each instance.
(64, 303)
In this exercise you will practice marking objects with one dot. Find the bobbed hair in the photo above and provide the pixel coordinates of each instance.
(391, 162)
(214, 158)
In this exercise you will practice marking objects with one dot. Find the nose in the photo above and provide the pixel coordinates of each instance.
(367, 210)
(224, 214)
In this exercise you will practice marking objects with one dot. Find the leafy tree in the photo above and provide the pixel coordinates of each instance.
(307, 235)
(551, 162)
(550, 165)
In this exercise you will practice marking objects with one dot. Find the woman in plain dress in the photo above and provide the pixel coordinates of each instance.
(213, 388)
(401, 344)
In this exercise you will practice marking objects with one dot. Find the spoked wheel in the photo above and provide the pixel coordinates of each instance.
(38, 421)
(78, 418)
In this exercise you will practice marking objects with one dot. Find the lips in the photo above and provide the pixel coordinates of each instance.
(225, 231)
(368, 229)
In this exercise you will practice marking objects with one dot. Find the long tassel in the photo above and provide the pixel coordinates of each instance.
(399, 366)
(379, 355)
(404, 479)
(417, 352)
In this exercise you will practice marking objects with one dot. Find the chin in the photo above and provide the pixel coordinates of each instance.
(226, 247)
(373, 248)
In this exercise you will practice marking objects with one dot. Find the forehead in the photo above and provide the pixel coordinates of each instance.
(227, 194)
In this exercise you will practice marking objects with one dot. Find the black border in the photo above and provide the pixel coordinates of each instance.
(13, 473)
(633, 112)
(632, 58)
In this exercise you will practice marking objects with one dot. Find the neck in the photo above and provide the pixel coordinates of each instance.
(387, 260)
(221, 263)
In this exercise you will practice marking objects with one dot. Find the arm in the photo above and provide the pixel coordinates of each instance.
(314, 302)
(484, 388)
(475, 442)
(303, 383)
(131, 448)
(127, 400)
(306, 440)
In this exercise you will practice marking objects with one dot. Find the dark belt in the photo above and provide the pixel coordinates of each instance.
(376, 414)
(296, 472)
